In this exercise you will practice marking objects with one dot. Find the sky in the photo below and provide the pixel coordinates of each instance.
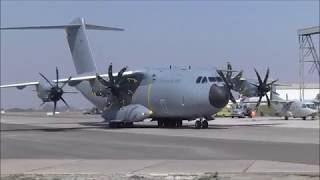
(202, 34)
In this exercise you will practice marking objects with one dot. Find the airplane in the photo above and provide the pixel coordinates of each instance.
(167, 96)
(289, 108)
(293, 108)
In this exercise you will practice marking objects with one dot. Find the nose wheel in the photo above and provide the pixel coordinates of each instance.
(201, 124)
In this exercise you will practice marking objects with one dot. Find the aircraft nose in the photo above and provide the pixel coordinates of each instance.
(219, 96)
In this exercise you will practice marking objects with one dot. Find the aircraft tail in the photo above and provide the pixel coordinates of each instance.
(77, 40)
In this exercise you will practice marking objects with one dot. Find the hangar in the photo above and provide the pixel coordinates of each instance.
(292, 92)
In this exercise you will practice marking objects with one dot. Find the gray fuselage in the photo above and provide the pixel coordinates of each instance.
(173, 93)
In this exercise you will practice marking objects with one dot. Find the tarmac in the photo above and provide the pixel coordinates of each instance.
(72, 144)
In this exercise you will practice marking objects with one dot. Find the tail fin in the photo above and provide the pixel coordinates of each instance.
(77, 40)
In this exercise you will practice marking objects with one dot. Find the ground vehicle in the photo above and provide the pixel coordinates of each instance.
(240, 110)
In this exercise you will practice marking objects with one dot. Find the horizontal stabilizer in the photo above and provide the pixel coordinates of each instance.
(87, 26)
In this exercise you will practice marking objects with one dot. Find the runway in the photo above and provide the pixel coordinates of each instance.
(229, 145)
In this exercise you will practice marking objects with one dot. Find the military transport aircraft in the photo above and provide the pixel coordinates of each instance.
(165, 95)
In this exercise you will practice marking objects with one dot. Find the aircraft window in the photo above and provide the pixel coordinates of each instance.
(198, 79)
(219, 79)
(311, 106)
(204, 80)
(212, 79)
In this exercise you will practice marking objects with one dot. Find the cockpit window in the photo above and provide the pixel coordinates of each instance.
(311, 106)
(204, 80)
(215, 79)
(212, 79)
(198, 79)
(219, 79)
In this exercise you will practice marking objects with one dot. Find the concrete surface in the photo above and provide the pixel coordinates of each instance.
(32, 143)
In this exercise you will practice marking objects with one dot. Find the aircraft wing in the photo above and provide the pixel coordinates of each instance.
(76, 80)
(73, 81)
(20, 85)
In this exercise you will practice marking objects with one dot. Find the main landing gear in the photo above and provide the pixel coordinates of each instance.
(120, 124)
(177, 123)
(169, 123)
(201, 124)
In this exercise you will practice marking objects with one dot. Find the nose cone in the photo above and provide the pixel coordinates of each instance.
(219, 96)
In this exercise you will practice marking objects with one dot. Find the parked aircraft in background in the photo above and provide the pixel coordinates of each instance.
(165, 95)
(289, 108)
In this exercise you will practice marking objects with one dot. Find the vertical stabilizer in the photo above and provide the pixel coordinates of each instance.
(80, 48)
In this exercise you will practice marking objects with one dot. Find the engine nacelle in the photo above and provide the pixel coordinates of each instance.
(130, 113)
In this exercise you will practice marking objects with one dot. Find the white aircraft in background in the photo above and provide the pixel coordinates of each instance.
(290, 108)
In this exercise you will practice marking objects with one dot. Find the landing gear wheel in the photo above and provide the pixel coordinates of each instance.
(172, 123)
(204, 124)
(179, 123)
(160, 124)
(304, 118)
(166, 123)
(197, 124)
(128, 124)
(286, 118)
(115, 125)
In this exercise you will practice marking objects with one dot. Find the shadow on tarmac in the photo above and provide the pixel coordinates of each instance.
(5, 127)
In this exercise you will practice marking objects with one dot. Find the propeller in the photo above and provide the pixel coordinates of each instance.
(228, 84)
(228, 80)
(56, 91)
(115, 83)
(263, 87)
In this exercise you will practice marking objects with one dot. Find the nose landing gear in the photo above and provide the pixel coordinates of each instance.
(201, 124)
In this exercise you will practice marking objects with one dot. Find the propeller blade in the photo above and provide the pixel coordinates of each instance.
(239, 75)
(272, 82)
(229, 72)
(66, 82)
(232, 98)
(266, 77)
(228, 85)
(268, 100)
(229, 67)
(54, 107)
(46, 79)
(42, 104)
(110, 73)
(64, 101)
(259, 101)
(222, 76)
(259, 78)
(57, 76)
(254, 84)
(120, 74)
(103, 81)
